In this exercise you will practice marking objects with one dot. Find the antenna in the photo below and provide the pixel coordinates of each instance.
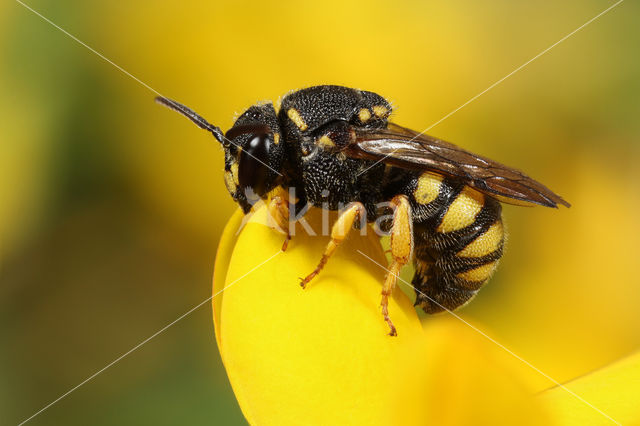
(193, 116)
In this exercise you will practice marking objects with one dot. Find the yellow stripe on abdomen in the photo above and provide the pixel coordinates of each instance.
(479, 274)
(486, 243)
(463, 210)
(294, 115)
(428, 188)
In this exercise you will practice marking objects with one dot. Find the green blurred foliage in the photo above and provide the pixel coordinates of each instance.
(111, 207)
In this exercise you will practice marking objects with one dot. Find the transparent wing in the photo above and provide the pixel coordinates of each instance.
(409, 149)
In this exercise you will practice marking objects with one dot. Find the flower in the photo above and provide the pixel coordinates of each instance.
(323, 356)
(614, 389)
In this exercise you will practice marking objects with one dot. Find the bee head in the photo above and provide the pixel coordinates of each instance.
(253, 151)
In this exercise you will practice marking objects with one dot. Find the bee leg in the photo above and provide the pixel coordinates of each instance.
(339, 232)
(278, 211)
(285, 244)
(401, 251)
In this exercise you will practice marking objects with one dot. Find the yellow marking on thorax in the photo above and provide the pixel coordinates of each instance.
(276, 138)
(295, 116)
(486, 243)
(364, 115)
(463, 211)
(380, 111)
(481, 273)
(428, 188)
(326, 142)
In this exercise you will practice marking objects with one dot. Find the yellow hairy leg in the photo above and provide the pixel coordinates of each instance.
(278, 213)
(339, 232)
(401, 251)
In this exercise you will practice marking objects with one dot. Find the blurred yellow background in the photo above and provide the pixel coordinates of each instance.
(111, 207)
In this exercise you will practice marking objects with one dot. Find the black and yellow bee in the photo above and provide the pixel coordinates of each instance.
(335, 146)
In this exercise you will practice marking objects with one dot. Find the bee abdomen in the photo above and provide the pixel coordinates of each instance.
(457, 251)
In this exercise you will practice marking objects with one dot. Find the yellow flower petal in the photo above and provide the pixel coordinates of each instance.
(283, 347)
(614, 389)
(323, 356)
(223, 256)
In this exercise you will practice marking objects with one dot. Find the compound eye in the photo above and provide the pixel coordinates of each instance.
(252, 168)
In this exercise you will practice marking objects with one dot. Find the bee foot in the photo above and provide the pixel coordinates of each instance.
(392, 328)
(305, 281)
(285, 244)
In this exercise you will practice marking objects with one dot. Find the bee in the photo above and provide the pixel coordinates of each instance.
(336, 147)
